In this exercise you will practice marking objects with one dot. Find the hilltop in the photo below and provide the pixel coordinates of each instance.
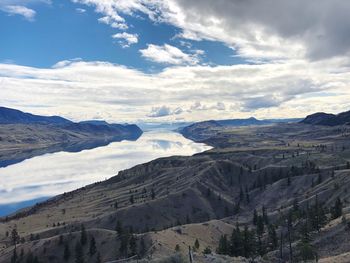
(327, 119)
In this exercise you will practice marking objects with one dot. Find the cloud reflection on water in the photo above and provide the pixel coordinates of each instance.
(55, 173)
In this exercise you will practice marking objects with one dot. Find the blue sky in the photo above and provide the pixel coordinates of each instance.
(64, 30)
(174, 60)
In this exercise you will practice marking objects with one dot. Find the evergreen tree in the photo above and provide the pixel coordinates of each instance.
(305, 249)
(265, 217)
(153, 194)
(236, 243)
(15, 237)
(92, 247)
(223, 245)
(207, 251)
(132, 199)
(337, 209)
(255, 217)
(273, 239)
(119, 227)
(319, 178)
(196, 244)
(60, 240)
(241, 194)
(260, 226)
(83, 235)
(248, 242)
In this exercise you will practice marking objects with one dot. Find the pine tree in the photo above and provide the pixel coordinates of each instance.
(304, 247)
(119, 227)
(260, 226)
(241, 194)
(83, 235)
(337, 209)
(273, 239)
(14, 237)
(265, 217)
(153, 194)
(196, 244)
(255, 217)
(248, 242)
(236, 243)
(92, 247)
(223, 245)
(60, 240)
(319, 178)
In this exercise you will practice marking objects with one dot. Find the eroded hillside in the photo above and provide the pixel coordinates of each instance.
(289, 174)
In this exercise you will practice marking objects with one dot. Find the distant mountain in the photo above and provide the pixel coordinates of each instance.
(328, 119)
(24, 135)
(200, 131)
(12, 116)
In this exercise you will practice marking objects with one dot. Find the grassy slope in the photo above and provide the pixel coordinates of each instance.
(181, 193)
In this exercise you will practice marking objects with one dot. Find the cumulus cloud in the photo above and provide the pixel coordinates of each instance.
(27, 13)
(168, 54)
(164, 111)
(78, 89)
(258, 30)
(126, 39)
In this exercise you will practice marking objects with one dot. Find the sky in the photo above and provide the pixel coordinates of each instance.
(174, 60)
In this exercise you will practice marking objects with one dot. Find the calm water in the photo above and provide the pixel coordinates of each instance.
(38, 178)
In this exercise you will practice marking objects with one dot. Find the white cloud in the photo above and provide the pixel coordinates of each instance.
(78, 90)
(163, 111)
(168, 54)
(27, 13)
(257, 30)
(81, 10)
(126, 39)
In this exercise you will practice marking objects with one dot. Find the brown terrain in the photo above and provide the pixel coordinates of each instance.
(291, 174)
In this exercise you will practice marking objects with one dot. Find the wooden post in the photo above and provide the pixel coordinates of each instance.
(190, 254)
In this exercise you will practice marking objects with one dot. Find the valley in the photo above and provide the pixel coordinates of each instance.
(282, 171)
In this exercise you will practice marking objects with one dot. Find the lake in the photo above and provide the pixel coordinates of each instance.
(38, 178)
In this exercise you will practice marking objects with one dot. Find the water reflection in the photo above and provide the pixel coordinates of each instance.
(55, 173)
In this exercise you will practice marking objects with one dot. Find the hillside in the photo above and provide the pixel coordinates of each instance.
(200, 131)
(327, 119)
(171, 202)
(23, 135)
(12, 116)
